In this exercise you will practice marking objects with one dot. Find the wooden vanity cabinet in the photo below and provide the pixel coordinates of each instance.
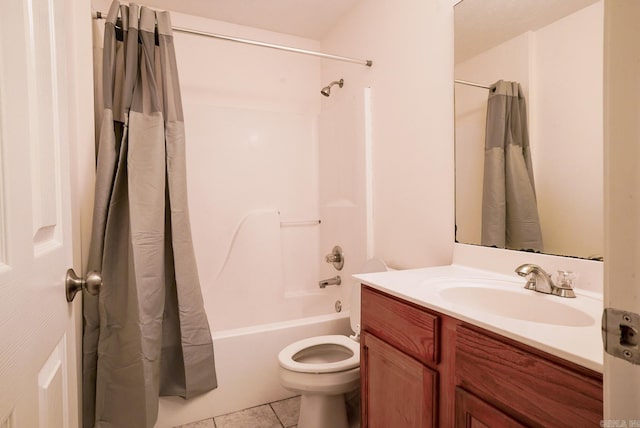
(532, 386)
(420, 368)
(406, 379)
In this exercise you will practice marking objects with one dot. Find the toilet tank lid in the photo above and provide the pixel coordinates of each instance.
(370, 266)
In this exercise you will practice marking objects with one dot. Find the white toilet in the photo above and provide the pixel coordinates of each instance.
(323, 368)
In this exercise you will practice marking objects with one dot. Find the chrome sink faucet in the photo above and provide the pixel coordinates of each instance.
(541, 281)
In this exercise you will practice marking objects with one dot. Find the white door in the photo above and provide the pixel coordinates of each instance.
(41, 117)
(622, 199)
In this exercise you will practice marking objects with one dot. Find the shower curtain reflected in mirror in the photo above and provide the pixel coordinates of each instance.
(146, 334)
(509, 209)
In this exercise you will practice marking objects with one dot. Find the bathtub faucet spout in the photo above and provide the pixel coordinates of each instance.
(336, 280)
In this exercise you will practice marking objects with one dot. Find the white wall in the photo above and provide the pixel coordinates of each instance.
(564, 100)
(410, 43)
(568, 147)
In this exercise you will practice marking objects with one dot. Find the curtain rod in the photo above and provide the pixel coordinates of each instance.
(477, 85)
(366, 62)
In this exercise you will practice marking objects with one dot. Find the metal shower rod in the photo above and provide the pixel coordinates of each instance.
(477, 85)
(366, 62)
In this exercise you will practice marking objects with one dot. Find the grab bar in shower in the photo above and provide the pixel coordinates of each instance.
(291, 223)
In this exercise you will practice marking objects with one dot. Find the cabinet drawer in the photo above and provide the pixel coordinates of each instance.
(405, 326)
(540, 390)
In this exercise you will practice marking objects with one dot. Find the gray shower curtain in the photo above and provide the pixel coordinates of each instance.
(509, 208)
(146, 334)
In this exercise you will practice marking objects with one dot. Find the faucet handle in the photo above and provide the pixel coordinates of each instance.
(565, 279)
(564, 284)
(336, 257)
(332, 258)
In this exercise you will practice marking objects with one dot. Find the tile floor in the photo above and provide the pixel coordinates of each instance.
(279, 414)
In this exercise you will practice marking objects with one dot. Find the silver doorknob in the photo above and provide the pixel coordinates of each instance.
(73, 283)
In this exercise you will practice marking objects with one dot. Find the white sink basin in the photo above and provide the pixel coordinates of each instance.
(516, 303)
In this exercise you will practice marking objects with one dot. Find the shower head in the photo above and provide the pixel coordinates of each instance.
(326, 91)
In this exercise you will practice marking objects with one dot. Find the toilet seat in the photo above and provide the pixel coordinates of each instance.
(286, 355)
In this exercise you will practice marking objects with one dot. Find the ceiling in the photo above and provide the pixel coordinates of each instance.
(305, 18)
(483, 24)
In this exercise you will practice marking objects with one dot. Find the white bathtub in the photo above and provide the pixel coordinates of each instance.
(247, 368)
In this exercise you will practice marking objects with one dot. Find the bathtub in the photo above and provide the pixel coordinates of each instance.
(247, 368)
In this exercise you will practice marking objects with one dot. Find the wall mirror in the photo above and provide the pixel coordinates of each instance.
(555, 51)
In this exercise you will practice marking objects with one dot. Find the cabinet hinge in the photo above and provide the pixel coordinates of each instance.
(620, 334)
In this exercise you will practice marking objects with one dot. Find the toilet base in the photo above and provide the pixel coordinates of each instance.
(322, 411)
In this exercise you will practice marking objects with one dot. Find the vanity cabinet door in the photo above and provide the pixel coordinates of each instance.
(398, 391)
(472, 412)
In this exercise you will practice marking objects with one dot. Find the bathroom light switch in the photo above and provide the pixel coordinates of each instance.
(621, 334)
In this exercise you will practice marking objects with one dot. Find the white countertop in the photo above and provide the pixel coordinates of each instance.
(581, 344)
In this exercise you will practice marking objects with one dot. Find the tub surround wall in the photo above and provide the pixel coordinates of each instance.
(263, 118)
(253, 117)
(410, 43)
(342, 188)
(251, 126)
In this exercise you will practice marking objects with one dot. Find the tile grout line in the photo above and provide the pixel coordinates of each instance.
(276, 413)
(270, 404)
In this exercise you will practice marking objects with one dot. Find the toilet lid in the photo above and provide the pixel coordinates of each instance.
(285, 357)
(370, 266)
